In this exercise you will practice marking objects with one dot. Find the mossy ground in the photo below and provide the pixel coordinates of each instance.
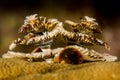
(15, 69)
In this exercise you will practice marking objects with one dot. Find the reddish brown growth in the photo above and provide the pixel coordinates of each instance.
(70, 55)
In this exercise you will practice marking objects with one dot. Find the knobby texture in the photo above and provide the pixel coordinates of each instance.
(43, 32)
(16, 69)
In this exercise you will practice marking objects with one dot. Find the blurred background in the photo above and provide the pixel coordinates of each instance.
(106, 12)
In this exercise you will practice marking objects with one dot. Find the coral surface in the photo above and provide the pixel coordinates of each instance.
(43, 62)
(16, 69)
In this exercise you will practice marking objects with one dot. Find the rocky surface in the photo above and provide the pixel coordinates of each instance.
(16, 69)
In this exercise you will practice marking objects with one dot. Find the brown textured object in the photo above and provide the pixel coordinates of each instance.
(70, 55)
(15, 69)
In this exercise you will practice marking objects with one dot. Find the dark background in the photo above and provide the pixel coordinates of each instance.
(106, 12)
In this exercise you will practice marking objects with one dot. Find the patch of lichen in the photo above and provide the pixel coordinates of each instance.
(15, 69)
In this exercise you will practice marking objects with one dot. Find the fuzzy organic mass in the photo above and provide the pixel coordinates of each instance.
(44, 32)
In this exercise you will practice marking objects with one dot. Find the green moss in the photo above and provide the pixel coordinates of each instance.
(15, 69)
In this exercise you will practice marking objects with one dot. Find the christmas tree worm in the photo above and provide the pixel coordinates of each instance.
(43, 31)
